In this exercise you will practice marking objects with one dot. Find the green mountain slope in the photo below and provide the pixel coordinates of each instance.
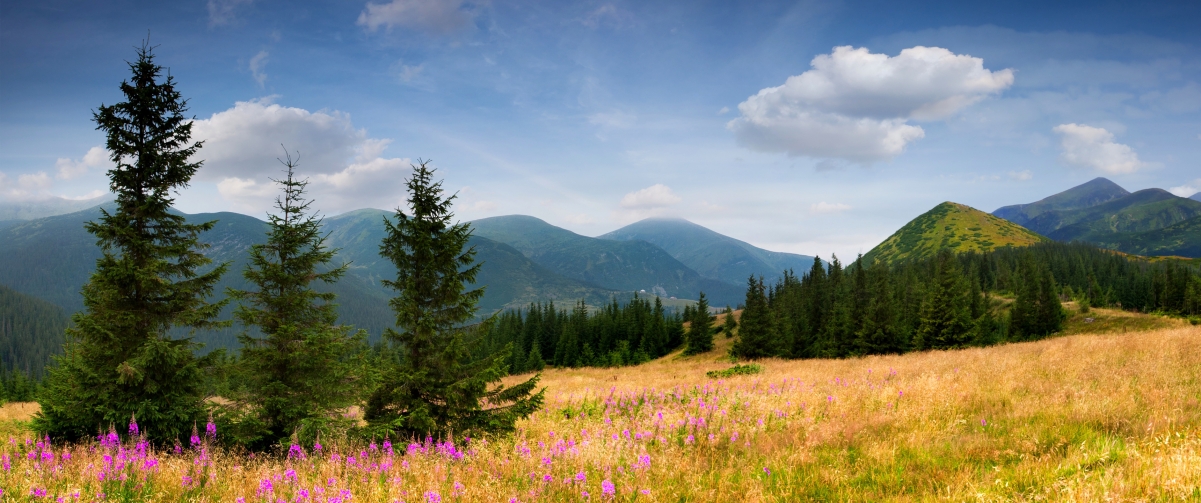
(709, 253)
(1181, 239)
(1091, 193)
(1142, 211)
(31, 331)
(951, 226)
(615, 265)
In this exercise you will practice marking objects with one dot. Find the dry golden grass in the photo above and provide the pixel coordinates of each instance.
(1111, 417)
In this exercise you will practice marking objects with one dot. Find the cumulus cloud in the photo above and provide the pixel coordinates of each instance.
(856, 105)
(435, 16)
(346, 169)
(224, 11)
(69, 168)
(27, 186)
(1093, 148)
(824, 207)
(653, 197)
(258, 65)
(1188, 189)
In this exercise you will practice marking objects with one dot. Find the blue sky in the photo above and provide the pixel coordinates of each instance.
(810, 127)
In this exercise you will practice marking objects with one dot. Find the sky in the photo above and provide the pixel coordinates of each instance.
(813, 127)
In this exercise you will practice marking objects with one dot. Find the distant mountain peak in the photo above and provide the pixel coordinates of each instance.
(953, 226)
(1094, 192)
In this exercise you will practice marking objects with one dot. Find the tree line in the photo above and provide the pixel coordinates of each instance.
(952, 300)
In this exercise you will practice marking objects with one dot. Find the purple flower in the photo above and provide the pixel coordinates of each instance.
(133, 426)
(580, 477)
(210, 429)
(433, 497)
(767, 470)
(607, 488)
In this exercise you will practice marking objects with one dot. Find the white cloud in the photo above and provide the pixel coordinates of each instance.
(723, 111)
(222, 11)
(408, 72)
(27, 186)
(1093, 148)
(824, 207)
(856, 105)
(1021, 176)
(257, 66)
(1188, 189)
(436, 16)
(94, 158)
(655, 196)
(346, 169)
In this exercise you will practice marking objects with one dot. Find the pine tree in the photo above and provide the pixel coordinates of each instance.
(120, 360)
(729, 324)
(879, 331)
(436, 388)
(300, 371)
(757, 336)
(700, 334)
(946, 311)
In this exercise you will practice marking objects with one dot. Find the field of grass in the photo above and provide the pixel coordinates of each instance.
(1110, 416)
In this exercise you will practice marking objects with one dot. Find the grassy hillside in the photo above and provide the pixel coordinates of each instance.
(1089, 194)
(951, 226)
(710, 254)
(1086, 417)
(615, 265)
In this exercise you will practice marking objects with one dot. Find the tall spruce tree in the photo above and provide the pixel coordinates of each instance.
(436, 388)
(302, 370)
(700, 333)
(757, 335)
(946, 320)
(120, 360)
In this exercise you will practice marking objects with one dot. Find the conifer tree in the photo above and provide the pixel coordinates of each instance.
(120, 360)
(757, 336)
(437, 388)
(729, 324)
(946, 311)
(301, 370)
(879, 331)
(700, 334)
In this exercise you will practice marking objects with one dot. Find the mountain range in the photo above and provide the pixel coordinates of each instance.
(1151, 222)
(524, 260)
(950, 226)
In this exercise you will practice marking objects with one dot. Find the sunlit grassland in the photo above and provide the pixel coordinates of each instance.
(1086, 417)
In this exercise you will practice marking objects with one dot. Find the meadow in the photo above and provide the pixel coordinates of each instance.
(1111, 412)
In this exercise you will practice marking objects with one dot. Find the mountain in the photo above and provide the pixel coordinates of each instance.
(1104, 214)
(951, 226)
(512, 280)
(29, 210)
(1094, 192)
(712, 255)
(1145, 210)
(31, 331)
(615, 265)
(1195, 197)
(1180, 239)
(51, 258)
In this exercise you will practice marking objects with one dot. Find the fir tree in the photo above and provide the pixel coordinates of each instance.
(300, 372)
(120, 360)
(700, 334)
(729, 324)
(946, 313)
(436, 388)
(757, 337)
(879, 331)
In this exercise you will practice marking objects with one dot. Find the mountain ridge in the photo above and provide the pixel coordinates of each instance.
(953, 226)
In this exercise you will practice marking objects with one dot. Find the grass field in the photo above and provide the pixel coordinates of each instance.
(1109, 416)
